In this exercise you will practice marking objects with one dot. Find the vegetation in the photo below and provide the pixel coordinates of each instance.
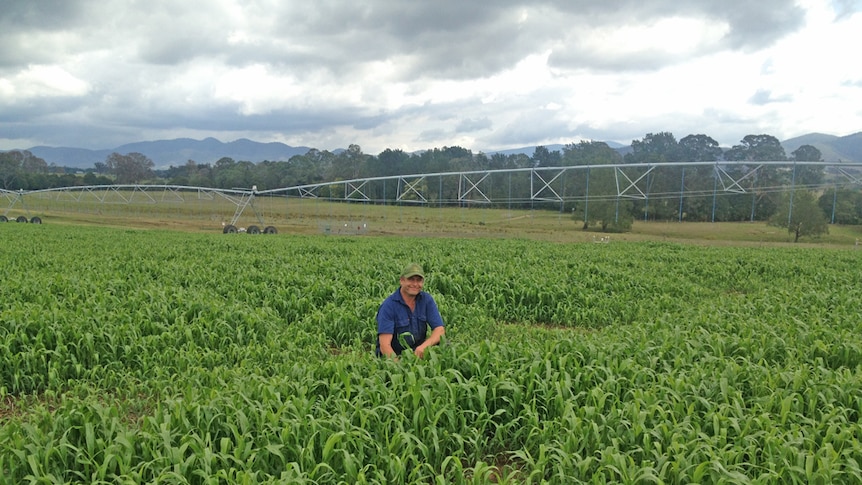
(592, 197)
(801, 216)
(131, 356)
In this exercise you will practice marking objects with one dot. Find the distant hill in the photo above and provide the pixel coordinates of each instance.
(529, 151)
(165, 153)
(833, 148)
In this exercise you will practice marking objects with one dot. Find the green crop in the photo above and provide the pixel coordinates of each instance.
(162, 357)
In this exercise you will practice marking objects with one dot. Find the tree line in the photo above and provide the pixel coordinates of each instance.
(21, 170)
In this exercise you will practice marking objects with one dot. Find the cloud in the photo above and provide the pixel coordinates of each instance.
(384, 73)
(470, 125)
(764, 97)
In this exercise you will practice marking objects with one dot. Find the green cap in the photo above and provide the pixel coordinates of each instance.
(412, 270)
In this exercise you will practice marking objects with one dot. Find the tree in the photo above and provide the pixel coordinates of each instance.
(611, 215)
(654, 148)
(224, 163)
(756, 148)
(801, 215)
(131, 168)
(9, 170)
(808, 175)
(17, 167)
(699, 148)
(657, 148)
(301, 170)
(602, 206)
(349, 164)
(390, 162)
(845, 205)
(700, 179)
(542, 157)
(807, 153)
(589, 153)
(32, 164)
(460, 159)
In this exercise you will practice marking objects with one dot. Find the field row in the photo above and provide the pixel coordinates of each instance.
(142, 356)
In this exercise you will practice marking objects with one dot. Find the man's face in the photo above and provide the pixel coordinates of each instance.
(412, 285)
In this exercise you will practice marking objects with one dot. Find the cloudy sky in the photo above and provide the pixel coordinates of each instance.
(483, 75)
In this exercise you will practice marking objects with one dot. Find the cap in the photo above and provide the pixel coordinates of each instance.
(411, 270)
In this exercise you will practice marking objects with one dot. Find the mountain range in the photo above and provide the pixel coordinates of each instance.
(166, 153)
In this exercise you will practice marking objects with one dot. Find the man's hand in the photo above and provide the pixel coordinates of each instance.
(434, 339)
(419, 351)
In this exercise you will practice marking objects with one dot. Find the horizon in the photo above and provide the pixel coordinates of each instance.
(621, 144)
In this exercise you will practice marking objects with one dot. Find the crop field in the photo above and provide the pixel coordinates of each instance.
(144, 356)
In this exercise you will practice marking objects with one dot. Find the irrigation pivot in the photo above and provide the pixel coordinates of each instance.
(246, 199)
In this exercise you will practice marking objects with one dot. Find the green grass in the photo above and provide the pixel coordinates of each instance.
(305, 216)
(132, 356)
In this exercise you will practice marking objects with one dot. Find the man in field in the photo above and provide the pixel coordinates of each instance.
(404, 317)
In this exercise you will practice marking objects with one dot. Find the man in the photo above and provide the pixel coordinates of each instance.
(404, 317)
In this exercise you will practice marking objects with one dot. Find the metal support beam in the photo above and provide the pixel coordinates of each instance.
(632, 183)
(546, 185)
(406, 187)
(466, 186)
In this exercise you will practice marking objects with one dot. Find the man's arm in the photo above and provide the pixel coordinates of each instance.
(385, 340)
(432, 339)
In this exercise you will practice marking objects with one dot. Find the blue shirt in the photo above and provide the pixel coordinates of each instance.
(395, 317)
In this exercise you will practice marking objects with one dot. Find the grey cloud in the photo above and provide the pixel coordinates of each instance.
(764, 97)
(133, 56)
(759, 24)
(443, 39)
(432, 136)
(41, 14)
(469, 125)
(176, 47)
(37, 110)
(752, 25)
(528, 127)
(761, 97)
(363, 122)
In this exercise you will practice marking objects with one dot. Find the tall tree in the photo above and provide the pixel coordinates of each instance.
(19, 168)
(801, 215)
(699, 148)
(131, 168)
(844, 205)
(542, 157)
(657, 148)
(459, 159)
(390, 162)
(589, 153)
(756, 148)
(698, 180)
(654, 148)
(807, 153)
(806, 174)
(301, 170)
(348, 164)
(9, 170)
